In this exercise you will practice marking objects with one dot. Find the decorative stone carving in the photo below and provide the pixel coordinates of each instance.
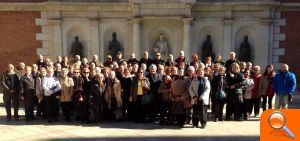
(207, 50)
(114, 46)
(161, 46)
(77, 48)
(245, 50)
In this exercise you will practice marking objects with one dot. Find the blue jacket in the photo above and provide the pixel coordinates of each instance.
(284, 83)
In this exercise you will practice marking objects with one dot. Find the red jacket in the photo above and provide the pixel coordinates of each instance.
(256, 79)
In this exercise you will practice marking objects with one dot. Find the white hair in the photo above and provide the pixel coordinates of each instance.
(153, 66)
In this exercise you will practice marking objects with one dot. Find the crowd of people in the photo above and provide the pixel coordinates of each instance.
(147, 90)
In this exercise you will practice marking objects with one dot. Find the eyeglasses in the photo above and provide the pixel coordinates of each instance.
(76, 72)
(86, 72)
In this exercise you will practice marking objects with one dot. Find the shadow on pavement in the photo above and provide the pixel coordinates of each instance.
(167, 138)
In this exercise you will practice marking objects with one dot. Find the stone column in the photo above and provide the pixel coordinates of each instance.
(95, 38)
(136, 37)
(268, 42)
(187, 37)
(58, 50)
(227, 39)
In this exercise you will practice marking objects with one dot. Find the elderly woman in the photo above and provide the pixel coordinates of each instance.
(199, 91)
(78, 95)
(113, 96)
(218, 86)
(234, 96)
(28, 93)
(67, 91)
(179, 89)
(165, 93)
(97, 97)
(140, 86)
(126, 82)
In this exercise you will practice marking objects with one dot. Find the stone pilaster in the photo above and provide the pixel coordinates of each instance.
(227, 38)
(94, 38)
(56, 40)
(136, 48)
(187, 36)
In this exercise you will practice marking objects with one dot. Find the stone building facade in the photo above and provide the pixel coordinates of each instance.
(48, 27)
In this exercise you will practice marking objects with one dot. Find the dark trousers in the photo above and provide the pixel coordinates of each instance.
(80, 110)
(139, 110)
(29, 113)
(234, 106)
(51, 105)
(98, 110)
(213, 106)
(165, 110)
(11, 98)
(41, 109)
(56, 106)
(219, 105)
(247, 108)
(126, 108)
(111, 113)
(267, 99)
(199, 114)
(255, 104)
(66, 108)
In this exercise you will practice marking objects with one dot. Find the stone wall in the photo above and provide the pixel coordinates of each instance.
(23, 0)
(18, 37)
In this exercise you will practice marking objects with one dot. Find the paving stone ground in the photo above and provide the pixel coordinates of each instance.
(115, 131)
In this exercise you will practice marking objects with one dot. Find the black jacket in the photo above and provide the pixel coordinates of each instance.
(28, 91)
(10, 82)
(218, 83)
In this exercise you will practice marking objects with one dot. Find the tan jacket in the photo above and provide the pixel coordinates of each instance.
(39, 91)
(67, 89)
(116, 89)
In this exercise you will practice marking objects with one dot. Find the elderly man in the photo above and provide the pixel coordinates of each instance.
(284, 85)
(51, 88)
(146, 59)
(132, 59)
(95, 60)
(232, 60)
(10, 84)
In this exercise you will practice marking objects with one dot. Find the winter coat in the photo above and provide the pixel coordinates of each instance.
(204, 96)
(28, 91)
(67, 89)
(217, 85)
(234, 95)
(164, 91)
(255, 91)
(179, 91)
(113, 89)
(248, 87)
(10, 82)
(284, 83)
(266, 85)
(134, 87)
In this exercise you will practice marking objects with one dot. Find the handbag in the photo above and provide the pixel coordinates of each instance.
(220, 95)
(147, 99)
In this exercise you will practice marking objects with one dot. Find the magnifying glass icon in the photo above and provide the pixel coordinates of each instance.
(277, 121)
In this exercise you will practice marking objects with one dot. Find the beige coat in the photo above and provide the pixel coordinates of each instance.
(263, 84)
(116, 89)
(179, 89)
(67, 89)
